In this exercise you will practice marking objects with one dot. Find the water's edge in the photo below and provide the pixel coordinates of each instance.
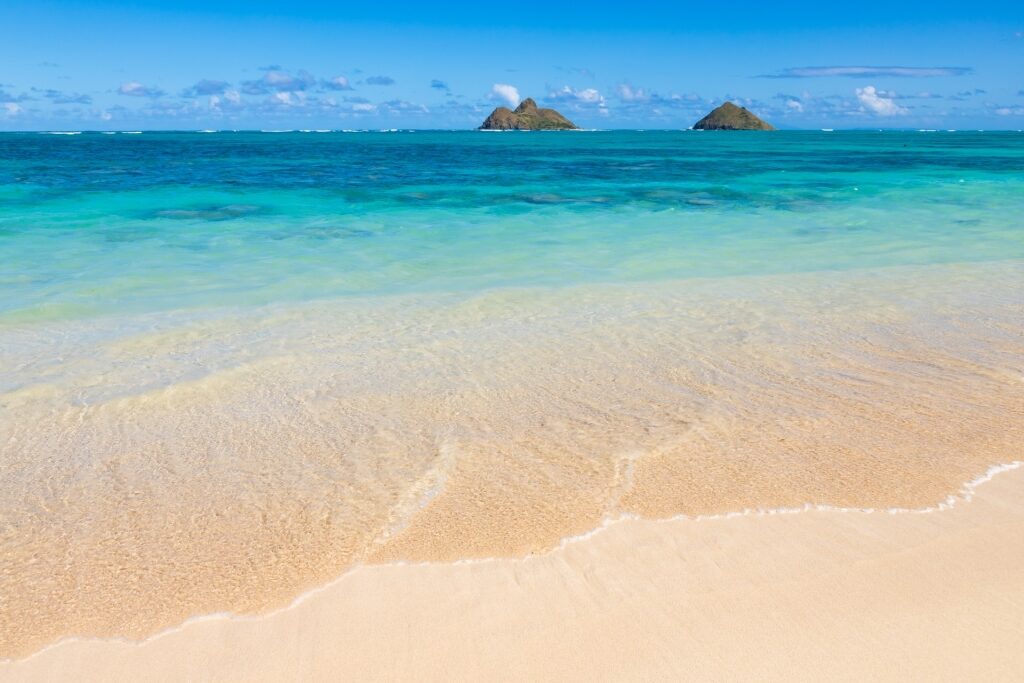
(963, 495)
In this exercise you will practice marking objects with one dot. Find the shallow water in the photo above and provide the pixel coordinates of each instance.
(107, 224)
(233, 365)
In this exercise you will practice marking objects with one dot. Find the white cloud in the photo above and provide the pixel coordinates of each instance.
(106, 115)
(506, 92)
(1010, 111)
(628, 93)
(794, 105)
(363, 106)
(12, 109)
(275, 80)
(588, 97)
(230, 101)
(279, 79)
(136, 89)
(876, 101)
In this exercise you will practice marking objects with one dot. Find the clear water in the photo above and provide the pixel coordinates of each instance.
(93, 224)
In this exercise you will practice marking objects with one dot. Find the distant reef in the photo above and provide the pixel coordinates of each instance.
(527, 116)
(730, 117)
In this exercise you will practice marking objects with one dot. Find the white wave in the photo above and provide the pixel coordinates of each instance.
(61, 132)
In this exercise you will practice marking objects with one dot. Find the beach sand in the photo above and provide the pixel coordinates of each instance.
(811, 595)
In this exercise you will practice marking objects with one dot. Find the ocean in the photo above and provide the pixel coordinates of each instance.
(95, 224)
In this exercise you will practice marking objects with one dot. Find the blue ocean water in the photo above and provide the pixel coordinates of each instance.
(93, 224)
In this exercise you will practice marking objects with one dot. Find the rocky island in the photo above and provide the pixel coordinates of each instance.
(730, 117)
(527, 116)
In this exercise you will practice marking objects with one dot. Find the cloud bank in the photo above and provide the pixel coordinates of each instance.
(280, 97)
(870, 72)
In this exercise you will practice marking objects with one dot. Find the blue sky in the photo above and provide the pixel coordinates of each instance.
(258, 64)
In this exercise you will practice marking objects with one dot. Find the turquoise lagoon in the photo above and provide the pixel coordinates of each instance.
(93, 224)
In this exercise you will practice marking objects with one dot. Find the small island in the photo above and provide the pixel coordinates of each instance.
(730, 117)
(527, 116)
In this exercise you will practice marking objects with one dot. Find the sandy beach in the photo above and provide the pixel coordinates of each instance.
(808, 595)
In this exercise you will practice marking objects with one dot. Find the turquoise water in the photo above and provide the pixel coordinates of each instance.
(92, 224)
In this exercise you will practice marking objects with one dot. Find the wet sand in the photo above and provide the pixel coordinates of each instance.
(162, 468)
(811, 595)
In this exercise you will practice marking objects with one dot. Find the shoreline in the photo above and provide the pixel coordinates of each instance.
(231, 465)
(729, 547)
(962, 496)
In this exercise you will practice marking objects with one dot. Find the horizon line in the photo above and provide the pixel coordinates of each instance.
(68, 131)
